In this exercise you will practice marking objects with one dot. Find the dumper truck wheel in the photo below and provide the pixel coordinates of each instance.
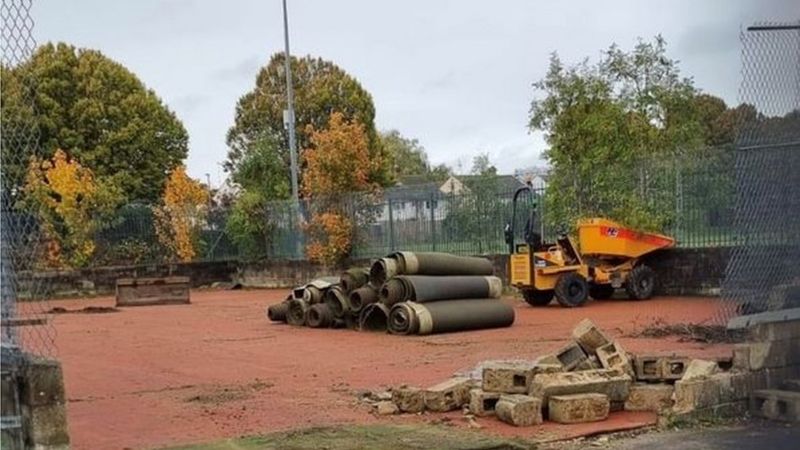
(536, 297)
(601, 291)
(641, 282)
(572, 290)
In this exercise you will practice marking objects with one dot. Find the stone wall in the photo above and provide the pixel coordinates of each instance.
(680, 272)
(102, 280)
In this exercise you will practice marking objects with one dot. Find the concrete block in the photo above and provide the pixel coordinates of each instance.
(611, 382)
(448, 395)
(613, 356)
(589, 336)
(792, 385)
(650, 397)
(547, 360)
(674, 367)
(578, 408)
(699, 368)
(571, 355)
(153, 291)
(409, 399)
(519, 410)
(512, 377)
(44, 383)
(482, 403)
(741, 356)
(47, 426)
(773, 354)
(775, 331)
(776, 405)
(386, 408)
(589, 363)
(709, 391)
(648, 368)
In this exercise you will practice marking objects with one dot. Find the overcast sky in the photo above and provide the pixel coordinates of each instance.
(454, 74)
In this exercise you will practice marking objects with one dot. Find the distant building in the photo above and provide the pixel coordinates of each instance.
(536, 176)
(415, 198)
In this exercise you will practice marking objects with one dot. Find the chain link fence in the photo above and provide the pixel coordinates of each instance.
(763, 273)
(26, 332)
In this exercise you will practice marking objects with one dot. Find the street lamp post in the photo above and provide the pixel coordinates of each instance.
(290, 108)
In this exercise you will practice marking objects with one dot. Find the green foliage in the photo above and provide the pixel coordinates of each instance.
(407, 155)
(99, 112)
(320, 88)
(249, 226)
(607, 126)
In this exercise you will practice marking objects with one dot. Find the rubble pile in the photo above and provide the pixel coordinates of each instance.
(586, 380)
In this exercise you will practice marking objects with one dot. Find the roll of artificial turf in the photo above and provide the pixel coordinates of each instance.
(448, 316)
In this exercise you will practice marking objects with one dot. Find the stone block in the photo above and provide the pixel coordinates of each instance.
(519, 410)
(578, 408)
(409, 399)
(741, 356)
(482, 403)
(611, 382)
(589, 336)
(571, 355)
(44, 383)
(650, 397)
(512, 377)
(699, 368)
(47, 426)
(613, 356)
(448, 395)
(776, 405)
(775, 331)
(153, 291)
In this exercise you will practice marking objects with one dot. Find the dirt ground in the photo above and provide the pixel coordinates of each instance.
(154, 376)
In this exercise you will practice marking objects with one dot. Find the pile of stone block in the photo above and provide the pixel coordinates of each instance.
(581, 382)
(593, 376)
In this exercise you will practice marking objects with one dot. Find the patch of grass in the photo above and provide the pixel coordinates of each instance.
(368, 437)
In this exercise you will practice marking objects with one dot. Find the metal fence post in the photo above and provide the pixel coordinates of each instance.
(391, 225)
(433, 225)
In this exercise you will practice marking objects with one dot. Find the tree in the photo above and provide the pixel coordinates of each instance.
(320, 88)
(482, 166)
(407, 155)
(338, 164)
(609, 127)
(181, 214)
(260, 176)
(100, 113)
(71, 206)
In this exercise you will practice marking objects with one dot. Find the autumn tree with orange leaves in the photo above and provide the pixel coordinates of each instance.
(71, 206)
(337, 164)
(181, 215)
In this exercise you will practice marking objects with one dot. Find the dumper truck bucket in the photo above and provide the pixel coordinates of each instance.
(603, 237)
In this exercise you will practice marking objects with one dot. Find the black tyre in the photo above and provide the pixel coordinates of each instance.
(572, 290)
(537, 298)
(601, 291)
(641, 283)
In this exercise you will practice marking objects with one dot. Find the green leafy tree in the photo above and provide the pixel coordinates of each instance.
(260, 176)
(407, 155)
(320, 88)
(609, 126)
(98, 111)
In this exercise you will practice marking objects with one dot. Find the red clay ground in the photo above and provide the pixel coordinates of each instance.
(162, 375)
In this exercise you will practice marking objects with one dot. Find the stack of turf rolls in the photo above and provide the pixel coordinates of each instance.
(403, 293)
